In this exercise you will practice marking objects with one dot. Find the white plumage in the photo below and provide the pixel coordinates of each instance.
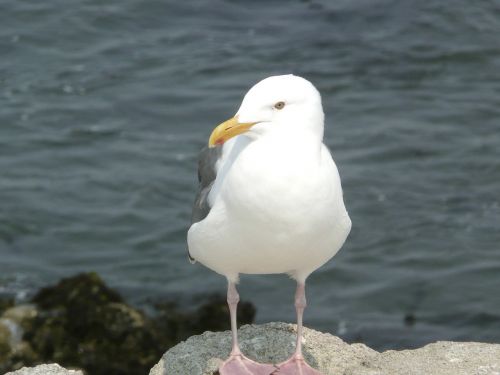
(276, 203)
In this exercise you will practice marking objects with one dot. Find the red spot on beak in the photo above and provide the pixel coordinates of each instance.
(219, 142)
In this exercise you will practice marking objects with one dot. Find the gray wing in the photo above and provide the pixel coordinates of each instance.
(207, 172)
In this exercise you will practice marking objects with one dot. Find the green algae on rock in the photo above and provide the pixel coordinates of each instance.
(213, 315)
(82, 323)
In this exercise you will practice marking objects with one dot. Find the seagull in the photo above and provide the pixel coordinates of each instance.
(270, 201)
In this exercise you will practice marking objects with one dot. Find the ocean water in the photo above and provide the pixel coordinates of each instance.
(104, 107)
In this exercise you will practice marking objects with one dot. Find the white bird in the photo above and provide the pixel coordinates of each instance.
(270, 201)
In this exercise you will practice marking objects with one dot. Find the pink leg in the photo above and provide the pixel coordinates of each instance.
(237, 363)
(296, 365)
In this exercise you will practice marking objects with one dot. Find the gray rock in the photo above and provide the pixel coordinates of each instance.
(275, 342)
(13, 323)
(53, 369)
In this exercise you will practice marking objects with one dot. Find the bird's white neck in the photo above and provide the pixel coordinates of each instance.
(283, 137)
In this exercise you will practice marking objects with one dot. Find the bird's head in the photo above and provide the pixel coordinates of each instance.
(285, 103)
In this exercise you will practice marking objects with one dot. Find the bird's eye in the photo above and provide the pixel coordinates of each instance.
(279, 105)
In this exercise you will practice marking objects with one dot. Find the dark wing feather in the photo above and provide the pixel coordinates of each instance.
(207, 161)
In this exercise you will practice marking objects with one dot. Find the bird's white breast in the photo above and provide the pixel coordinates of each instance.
(279, 209)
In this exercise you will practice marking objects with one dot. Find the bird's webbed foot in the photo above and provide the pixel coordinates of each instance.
(238, 364)
(296, 365)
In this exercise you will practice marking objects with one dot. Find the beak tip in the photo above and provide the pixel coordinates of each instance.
(227, 130)
(213, 144)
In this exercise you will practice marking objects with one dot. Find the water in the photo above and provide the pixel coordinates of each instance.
(103, 109)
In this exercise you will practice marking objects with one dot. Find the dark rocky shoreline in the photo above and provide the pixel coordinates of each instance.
(82, 323)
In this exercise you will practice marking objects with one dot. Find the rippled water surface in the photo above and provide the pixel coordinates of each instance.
(104, 106)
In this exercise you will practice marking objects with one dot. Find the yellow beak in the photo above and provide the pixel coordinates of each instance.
(227, 130)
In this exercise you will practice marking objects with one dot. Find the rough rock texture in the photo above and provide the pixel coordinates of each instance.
(53, 369)
(274, 342)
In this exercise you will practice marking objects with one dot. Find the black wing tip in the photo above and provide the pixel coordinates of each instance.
(191, 259)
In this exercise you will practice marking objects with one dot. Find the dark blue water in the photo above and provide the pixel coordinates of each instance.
(104, 106)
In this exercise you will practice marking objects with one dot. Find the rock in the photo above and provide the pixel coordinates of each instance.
(14, 351)
(270, 343)
(82, 323)
(53, 369)
(274, 342)
(21, 315)
(443, 358)
(5, 303)
(5, 340)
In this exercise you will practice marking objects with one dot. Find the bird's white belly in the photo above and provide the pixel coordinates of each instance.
(272, 219)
